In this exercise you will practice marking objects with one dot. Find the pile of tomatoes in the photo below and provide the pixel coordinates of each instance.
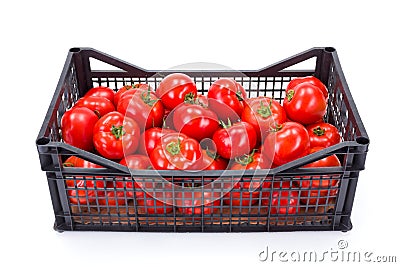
(177, 128)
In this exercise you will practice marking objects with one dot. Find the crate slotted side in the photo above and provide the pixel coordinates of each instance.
(331, 212)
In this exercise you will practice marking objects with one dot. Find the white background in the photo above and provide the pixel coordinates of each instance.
(35, 38)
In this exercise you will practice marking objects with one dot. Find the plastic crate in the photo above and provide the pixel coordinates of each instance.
(331, 212)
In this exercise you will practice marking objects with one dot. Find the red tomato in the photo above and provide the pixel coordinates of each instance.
(83, 191)
(136, 162)
(99, 105)
(115, 136)
(226, 98)
(174, 88)
(197, 202)
(244, 197)
(308, 79)
(128, 88)
(287, 142)
(102, 91)
(212, 161)
(151, 138)
(176, 151)
(323, 134)
(317, 182)
(144, 107)
(234, 140)
(195, 121)
(284, 199)
(305, 104)
(77, 127)
(263, 113)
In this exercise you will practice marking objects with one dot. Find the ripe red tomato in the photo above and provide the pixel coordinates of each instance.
(305, 104)
(234, 140)
(115, 136)
(197, 202)
(284, 199)
(174, 88)
(127, 88)
(263, 113)
(323, 134)
(77, 127)
(144, 107)
(151, 138)
(287, 142)
(136, 162)
(102, 91)
(195, 121)
(212, 161)
(176, 151)
(317, 183)
(226, 98)
(83, 191)
(308, 79)
(99, 105)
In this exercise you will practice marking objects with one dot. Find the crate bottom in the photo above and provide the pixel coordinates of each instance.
(235, 220)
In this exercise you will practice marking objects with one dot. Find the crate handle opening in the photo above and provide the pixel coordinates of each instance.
(329, 49)
(42, 141)
(362, 140)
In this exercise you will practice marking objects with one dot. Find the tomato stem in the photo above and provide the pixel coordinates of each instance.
(225, 125)
(290, 95)
(319, 131)
(265, 111)
(146, 97)
(212, 154)
(189, 98)
(118, 131)
(245, 159)
(174, 147)
(239, 95)
(276, 127)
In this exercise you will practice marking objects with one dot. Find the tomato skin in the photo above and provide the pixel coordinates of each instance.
(212, 161)
(83, 195)
(194, 203)
(99, 105)
(308, 79)
(305, 104)
(323, 134)
(235, 140)
(288, 142)
(77, 127)
(319, 195)
(151, 138)
(101, 91)
(174, 88)
(283, 201)
(195, 121)
(226, 98)
(127, 88)
(142, 106)
(116, 135)
(263, 113)
(176, 151)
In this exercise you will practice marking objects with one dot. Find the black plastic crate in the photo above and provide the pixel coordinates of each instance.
(331, 212)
